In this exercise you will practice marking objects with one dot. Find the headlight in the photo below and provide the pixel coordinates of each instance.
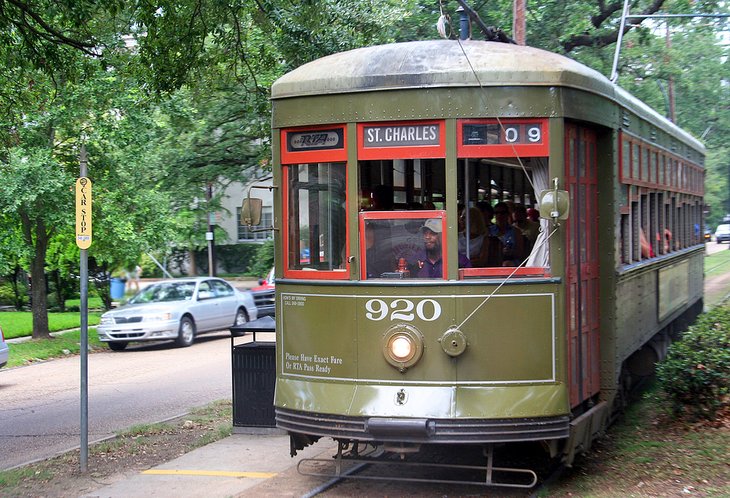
(106, 320)
(160, 317)
(402, 346)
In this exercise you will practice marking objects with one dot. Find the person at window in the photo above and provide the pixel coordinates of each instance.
(646, 250)
(378, 255)
(429, 260)
(529, 228)
(513, 244)
(667, 240)
(487, 212)
(483, 250)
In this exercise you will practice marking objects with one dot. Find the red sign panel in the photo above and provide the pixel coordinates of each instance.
(502, 138)
(314, 145)
(413, 139)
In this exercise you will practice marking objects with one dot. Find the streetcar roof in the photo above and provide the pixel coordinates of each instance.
(441, 63)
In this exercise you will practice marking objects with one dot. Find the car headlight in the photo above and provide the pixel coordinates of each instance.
(106, 320)
(160, 317)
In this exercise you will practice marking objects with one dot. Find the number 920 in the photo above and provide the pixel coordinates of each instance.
(406, 310)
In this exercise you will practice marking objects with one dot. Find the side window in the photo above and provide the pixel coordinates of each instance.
(661, 203)
(204, 290)
(222, 289)
(317, 218)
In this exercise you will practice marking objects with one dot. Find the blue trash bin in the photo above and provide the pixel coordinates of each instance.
(117, 288)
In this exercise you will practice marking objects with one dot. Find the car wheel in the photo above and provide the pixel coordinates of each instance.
(241, 317)
(186, 334)
(118, 345)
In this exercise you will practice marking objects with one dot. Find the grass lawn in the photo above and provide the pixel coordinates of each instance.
(648, 454)
(20, 323)
(33, 350)
(717, 264)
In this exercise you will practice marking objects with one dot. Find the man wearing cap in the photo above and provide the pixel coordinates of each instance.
(429, 260)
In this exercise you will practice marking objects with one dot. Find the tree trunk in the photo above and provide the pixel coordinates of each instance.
(39, 305)
(15, 284)
(193, 266)
(36, 236)
(59, 290)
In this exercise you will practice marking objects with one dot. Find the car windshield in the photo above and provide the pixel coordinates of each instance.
(165, 292)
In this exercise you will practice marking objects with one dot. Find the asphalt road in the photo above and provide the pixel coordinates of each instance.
(40, 403)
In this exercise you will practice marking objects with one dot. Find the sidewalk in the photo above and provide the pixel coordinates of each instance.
(254, 464)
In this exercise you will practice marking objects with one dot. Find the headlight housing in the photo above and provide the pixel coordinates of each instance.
(402, 346)
(158, 317)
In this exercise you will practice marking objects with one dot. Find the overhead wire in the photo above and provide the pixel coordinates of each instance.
(529, 178)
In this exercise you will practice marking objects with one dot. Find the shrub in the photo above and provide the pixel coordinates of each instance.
(149, 267)
(7, 296)
(263, 260)
(236, 258)
(695, 376)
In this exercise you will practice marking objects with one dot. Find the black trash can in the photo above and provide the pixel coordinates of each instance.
(254, 376)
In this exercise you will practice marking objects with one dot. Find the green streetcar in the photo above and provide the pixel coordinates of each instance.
(405, 315)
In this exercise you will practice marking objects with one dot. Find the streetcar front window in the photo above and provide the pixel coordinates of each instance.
(317, 221)
(402, 184)
(402, 218)
(497, 222)
(404, 245)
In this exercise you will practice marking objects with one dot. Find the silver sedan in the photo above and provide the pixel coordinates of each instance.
(176, 309)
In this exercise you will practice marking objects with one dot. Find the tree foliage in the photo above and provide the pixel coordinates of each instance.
(172, 97)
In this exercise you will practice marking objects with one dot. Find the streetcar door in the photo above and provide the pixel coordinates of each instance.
(582, 263)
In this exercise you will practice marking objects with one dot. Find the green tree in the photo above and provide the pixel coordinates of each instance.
(35, 189)
(186, 105)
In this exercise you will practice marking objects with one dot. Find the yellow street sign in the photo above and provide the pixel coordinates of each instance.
(83, 212)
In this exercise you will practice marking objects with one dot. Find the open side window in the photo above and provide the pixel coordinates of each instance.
(502, 168)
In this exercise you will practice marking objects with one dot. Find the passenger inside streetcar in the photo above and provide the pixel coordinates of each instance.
(482, 249)
(513, 243)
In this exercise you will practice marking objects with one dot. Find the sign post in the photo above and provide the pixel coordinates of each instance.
(83, 240)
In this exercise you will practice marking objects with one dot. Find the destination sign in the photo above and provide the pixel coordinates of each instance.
(502, 134)
(315, 140)
(401, 135)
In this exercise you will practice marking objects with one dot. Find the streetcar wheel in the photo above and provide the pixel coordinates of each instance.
(186, 334)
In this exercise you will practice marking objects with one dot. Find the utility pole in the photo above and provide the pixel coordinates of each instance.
(210, 234)
(670, 83)
(83, 240)
(519, 24)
